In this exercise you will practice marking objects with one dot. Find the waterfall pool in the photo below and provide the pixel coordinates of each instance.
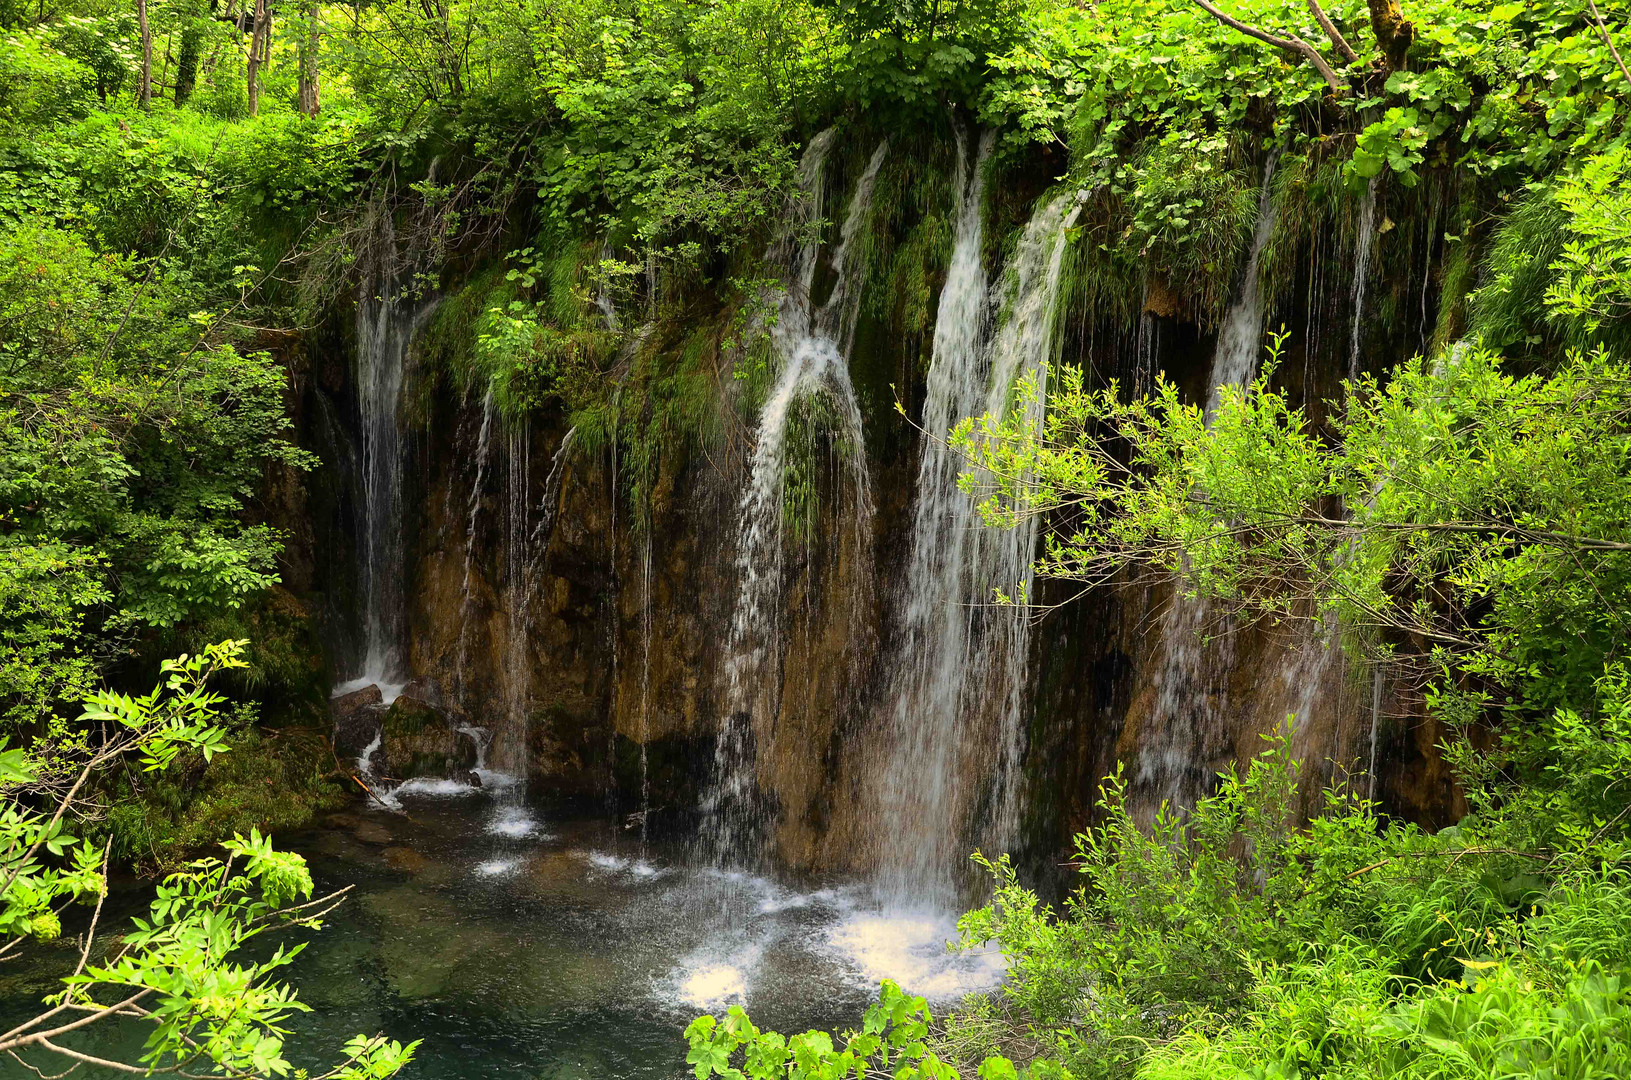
(518, 945)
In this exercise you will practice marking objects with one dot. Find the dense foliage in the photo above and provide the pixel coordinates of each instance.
(191, 195)
(182, 970)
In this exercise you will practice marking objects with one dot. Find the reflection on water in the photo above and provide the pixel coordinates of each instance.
(517, 946)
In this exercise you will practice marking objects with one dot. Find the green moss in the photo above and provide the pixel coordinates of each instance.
(664, 403)
(1099, 280)
(1460, 269)
(1508, 308)
(275, 781)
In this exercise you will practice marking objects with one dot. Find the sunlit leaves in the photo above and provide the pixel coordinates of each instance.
(891, 1041)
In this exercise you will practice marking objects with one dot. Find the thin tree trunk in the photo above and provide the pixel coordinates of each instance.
(257, 41)
(309, 100)
(144, 87)
(1394, 32)
(192, 39)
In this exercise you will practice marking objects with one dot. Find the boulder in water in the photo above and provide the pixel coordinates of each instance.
(420, 740)
(347, 704)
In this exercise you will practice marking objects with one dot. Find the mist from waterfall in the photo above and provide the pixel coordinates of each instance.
(812, 348)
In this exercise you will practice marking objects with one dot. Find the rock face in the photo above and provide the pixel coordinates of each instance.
(588, 635)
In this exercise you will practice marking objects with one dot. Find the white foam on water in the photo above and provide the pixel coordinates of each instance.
(435, 788)
(639, 869)
(497, 867)
(710, 981)
(911, 949)
(513, 821)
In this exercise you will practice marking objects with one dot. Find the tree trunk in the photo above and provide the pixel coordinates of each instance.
(1394, 32)
(258, 39)
(309, 103)
(192, 39)
(144, 85)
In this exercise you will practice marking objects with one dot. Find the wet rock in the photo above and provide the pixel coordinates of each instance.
(357, 719)
(428, 692)
(472, 742)
(468, 777)
(420, 740)
(349, 704)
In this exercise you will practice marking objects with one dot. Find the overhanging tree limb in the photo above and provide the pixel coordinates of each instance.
(1293, 44)
(1602, 29)
(1332, 32)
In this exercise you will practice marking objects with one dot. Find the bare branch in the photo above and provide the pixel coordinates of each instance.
(1597, 17)
(1332, 32)
(1293, 44)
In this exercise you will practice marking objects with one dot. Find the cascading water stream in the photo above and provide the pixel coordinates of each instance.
(1240, 338)
(938, 597)
(387, 320)
(1191, 686)
(1022, 347)
(812, 345)
(957, 722)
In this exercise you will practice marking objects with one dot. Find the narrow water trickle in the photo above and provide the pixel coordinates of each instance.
(645, 683)
(472, 518)
(1191, 698)
(510, 740)
(1364, 242)
(812, 347)
(388, 316)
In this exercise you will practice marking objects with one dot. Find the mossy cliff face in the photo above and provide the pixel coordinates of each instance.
(585, 619)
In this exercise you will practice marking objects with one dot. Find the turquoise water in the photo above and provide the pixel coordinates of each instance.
(519, 946)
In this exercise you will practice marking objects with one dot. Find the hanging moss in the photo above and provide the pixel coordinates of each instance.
(1099, 280)
(1312, 203)
(1508, 308)
(1192, 213)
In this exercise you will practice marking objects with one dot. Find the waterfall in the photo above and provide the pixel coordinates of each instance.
(1364, 241)
(812, 346)
(1240, 338)
(957, 723)
(645, 680)
(549, 506)
(1375, 725)
(387, 319)
(1191, 698)
(510, 740)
